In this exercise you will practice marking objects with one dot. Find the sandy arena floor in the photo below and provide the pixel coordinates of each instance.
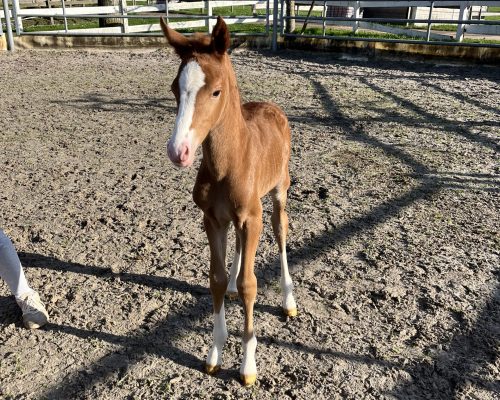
(394, 241)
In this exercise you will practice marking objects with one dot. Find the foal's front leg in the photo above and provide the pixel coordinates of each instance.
(217, 238)
(249, 231)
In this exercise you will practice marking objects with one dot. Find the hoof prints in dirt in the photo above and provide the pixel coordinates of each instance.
(393, 243)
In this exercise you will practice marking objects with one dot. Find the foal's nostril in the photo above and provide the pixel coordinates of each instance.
(184, 156)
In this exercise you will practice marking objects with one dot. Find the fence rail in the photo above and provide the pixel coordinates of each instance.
(271, 16)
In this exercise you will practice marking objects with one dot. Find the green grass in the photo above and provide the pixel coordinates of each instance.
(481, 41)
(227, 11)
(444, 27)
(73, 23)
(493, 9)
(80, 23)
(360, 34)
(437, 27)
(234, 28)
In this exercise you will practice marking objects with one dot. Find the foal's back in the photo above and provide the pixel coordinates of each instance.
(269, 131)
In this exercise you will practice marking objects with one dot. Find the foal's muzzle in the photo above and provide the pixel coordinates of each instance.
(180, 155)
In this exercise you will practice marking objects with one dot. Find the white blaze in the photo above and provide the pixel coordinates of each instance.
(191, 80)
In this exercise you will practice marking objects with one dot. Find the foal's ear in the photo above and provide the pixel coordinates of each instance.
(177, 40)
(220, 37)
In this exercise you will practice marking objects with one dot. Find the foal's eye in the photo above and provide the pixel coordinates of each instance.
(216, 93)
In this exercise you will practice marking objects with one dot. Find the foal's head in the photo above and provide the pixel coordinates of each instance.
(201, 88)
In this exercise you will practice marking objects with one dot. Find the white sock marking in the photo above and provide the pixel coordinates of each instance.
(248, 366)
(191, 80)
(286, 284)
(235, 270)
(214, 357)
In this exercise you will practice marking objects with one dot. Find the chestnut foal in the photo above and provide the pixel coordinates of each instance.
(246, 149)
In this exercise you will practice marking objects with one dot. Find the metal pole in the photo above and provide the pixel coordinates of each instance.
(10, 38)
(123, 11)
(282, 13)
(274, 45)
(210, 22)
(64, 15)
(324, 16)
(429, 23)
(461, 27)
(356, 14)
(166, 10)
(17, 20)
(267, 16)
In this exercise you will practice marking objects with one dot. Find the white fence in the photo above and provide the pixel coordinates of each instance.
(127, 12)
(422, 12)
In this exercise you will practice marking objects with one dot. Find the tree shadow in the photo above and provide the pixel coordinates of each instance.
(152, 281)
(448, 70)
(451, 127)
(98, 101)
(10, 313)
(159, 340)
(355, 358)
(452, 373)
(462, 97)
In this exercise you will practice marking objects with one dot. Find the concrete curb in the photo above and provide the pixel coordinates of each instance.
(69, 42)
(489, 55)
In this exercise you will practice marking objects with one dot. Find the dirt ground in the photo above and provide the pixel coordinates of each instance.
(394, 242)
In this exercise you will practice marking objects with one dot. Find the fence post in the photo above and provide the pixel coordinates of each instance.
(10, 39)
(282, 16)
(210, 23)
(17, 20)
(267, 17)
(429, 23)
(274, 43)
(123, 10)
(357, 14)
(464, 12)
(323, 14)
(64, 16)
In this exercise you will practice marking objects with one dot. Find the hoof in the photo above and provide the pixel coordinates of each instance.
(248, 380)
(212, 369)
(290, 313)
(232, 295)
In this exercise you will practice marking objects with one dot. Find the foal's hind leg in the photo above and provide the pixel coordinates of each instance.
(232, 289)
(280, 228)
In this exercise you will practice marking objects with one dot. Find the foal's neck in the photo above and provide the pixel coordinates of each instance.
(225, 144)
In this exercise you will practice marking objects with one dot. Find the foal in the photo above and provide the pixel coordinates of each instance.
(246, 149)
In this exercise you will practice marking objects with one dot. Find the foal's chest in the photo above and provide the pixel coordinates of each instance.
(218, 199)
